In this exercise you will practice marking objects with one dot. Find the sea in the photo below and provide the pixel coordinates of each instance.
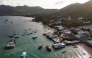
(20, 25)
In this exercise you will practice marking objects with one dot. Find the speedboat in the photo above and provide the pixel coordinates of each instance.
(23, 55)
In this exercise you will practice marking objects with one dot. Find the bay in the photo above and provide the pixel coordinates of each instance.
(26, 43)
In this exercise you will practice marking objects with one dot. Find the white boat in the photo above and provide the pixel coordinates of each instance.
(23, 55)
(58, 45)
(34, 37)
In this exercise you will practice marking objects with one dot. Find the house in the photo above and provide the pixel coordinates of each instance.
(80, 18)
(66, 32)
(60, 28)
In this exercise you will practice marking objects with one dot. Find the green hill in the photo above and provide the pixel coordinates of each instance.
(24, 10)
(77, 10)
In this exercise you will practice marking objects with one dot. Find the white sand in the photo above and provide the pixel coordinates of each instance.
(85, 51)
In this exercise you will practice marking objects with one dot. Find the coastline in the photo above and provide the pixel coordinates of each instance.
(49, 28)
(81, 47)
(86, 48)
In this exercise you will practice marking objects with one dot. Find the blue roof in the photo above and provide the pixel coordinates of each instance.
(52, 36)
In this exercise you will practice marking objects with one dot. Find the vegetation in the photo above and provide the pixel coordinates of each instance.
(74, 31)
(24, 10)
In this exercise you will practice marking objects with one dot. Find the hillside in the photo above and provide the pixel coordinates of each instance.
(77, 10)
(24, 10)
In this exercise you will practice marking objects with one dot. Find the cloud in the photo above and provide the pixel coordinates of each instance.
(60, 2)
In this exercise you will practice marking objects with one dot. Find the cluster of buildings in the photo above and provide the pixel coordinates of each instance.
(67, 37)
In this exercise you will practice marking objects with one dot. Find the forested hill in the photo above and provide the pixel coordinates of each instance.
(24, 10)
(77, 10)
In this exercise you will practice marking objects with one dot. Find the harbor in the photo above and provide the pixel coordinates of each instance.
(25, 31)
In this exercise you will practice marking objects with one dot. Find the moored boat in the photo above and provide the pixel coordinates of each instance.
(58, 45)
(40, 47)
(48, 48)
(23, 55)
(34, 37)
(16, 36)
(10, 45)
(11, 36)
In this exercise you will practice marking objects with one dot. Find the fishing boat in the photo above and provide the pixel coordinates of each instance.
(10, 45)
(34, 37)
(23, 34)
(23, 55)
(48, 48)
(11, 36)
(16, 36)
(64, 52)
(31, 33)
(28, 33)
(44, 34)
(40, 47)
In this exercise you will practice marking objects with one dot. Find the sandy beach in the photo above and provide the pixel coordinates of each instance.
(49, 29)
(84, 48)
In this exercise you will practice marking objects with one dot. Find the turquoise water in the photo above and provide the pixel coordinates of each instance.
(26, 43)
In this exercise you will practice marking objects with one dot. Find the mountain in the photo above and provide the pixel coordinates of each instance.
(77, 10)
(8, 10)
(24, 10)
(35, 10)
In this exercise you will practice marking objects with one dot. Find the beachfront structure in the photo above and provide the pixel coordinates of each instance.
(88, 42)
(66, 32)
(70, 42)
(51, 36)
(80, 18)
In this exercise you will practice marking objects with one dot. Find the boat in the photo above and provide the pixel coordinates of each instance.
(6, 20)
(23, 55)
(44, 34)
(58, 45)
(31, 33)
(10, 45)
(28, 33)
(34, 37)
(64, 52)
(40, 47)
(35, 31)
(11, 36)
(23, 34)
(48, 48)
(16, 36)
(13, 40)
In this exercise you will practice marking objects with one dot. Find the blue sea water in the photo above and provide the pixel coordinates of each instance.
(26, 43)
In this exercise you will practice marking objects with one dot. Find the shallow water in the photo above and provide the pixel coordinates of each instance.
(27, 44)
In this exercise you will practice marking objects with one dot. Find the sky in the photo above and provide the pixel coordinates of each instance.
(47, 4)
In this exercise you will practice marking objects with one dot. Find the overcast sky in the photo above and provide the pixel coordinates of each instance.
(43, 3)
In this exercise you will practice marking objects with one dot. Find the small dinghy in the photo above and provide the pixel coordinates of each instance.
(40, 47)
